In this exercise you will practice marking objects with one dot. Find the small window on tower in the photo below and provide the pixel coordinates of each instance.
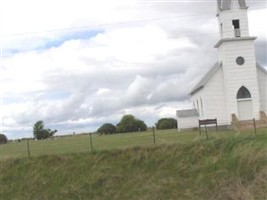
(221, 27)
(236, 27)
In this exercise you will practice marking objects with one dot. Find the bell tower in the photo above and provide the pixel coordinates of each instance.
(237, 57)
(232, 16)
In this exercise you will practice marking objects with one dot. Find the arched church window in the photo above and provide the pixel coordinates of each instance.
(201, 104)
(243, 93)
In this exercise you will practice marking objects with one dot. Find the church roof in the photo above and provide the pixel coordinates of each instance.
(233, 39)
(187, 113)
(226, 4)
(261, 68)
(210, 73)
(205, 79)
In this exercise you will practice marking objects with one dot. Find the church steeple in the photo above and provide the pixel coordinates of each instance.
(236, 84)
(236, 53)
(232, 16)
(230, 4)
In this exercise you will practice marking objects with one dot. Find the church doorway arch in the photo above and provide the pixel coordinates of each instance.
(244, 104)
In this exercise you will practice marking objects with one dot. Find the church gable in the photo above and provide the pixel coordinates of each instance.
(206, 78)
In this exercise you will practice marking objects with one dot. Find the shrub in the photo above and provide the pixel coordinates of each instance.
(107, 128)
(166, 123)
(3, 139)
(129, 123)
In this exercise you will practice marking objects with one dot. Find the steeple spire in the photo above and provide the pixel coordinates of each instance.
(228, 4)
(233, 21)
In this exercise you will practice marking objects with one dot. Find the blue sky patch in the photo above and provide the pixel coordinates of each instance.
(56, 95)
(48, 43)
(81, 35)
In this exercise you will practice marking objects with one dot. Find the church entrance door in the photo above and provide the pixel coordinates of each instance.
(244, 109)
(244, 104)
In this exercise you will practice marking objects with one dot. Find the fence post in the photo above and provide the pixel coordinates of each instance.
(91, 141)
(216, 125)
(199, 128)
(153, 131)
(28, 147)
(206, 132)
(255, 128)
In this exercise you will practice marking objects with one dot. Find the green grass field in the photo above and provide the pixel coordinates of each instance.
(181, 166)
(81, 143)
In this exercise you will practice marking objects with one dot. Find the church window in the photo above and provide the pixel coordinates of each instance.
(197, 106)
(243, 93)
(221, 28)
(236, 27)
(201, 104)
(240, 60)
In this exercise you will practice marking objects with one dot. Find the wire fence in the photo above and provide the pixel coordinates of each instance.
(86, 142)
(90, 142)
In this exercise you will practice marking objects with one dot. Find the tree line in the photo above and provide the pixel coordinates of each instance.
(130, 123)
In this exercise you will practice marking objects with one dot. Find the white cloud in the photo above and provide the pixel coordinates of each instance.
(256, 24)
(75, 82)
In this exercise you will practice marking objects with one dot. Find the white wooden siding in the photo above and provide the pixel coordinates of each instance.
(225, 18)
(214, 99)
(187, 122)
(196, 98)
(236, 76)
(263, 90)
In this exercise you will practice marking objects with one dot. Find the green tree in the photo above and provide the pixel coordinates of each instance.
(37, 128)
(166, 123)
(141, 126)
(3, 139)
(129, 123)
(39, 132)
(107, 128)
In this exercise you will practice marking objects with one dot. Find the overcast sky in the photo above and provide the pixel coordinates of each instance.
(78, 64)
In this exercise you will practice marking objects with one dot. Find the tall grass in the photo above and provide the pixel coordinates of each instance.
(230, 167)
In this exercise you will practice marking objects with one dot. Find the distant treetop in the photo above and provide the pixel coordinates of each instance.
(166, 123)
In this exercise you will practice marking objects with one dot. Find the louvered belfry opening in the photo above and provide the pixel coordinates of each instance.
(236, 27)
(226, 4)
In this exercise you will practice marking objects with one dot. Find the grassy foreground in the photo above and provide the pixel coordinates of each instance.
(215, 169)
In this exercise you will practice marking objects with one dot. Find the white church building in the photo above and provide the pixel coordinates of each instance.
(236, 85)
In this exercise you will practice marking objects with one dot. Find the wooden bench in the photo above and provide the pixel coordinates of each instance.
(206, 122)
